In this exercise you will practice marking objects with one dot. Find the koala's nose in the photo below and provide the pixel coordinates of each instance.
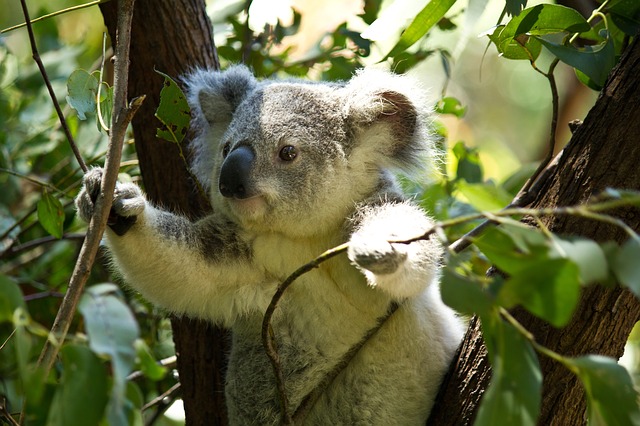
(235, 173)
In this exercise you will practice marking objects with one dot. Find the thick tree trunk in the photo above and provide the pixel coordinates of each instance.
(174, 36)
(604, 152)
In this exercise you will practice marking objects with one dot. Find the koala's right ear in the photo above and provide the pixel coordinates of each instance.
(213, 97)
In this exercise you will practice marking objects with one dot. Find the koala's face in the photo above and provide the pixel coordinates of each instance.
(294, 157)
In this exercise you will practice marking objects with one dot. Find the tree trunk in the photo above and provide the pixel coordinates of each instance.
(173, 37)
(603, 153)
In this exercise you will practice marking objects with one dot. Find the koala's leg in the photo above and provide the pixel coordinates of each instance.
(200, 269)
(401, 270)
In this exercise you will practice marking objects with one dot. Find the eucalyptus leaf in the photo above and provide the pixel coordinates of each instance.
(484, 196)
(11, 298)
(514, 393)
(593, 61)
(173, 111)
(421, 24)
(463, 294)
(611, 397)
(626, 265)
(548, 289)
(112, 331)
(82, 395)
(82, 89)
(51, 214)
(451, 105)
(585, 253)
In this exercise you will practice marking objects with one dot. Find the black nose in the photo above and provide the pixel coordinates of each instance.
(235, 173)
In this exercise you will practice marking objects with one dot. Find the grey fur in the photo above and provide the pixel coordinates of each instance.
(347, 139)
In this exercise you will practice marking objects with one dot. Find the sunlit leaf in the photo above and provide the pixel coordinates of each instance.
(450, 105)
(51, 214)
(173, 111)
(611, 397)
(514, 393)
(484, 196)
(421, 24)
(82, 395)
(82, 89)
(148, 365)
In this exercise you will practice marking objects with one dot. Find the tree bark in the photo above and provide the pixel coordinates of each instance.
(174, 37)
(603, 153)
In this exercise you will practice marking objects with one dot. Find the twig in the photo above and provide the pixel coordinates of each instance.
(44, 240)
(32, 180)
(45, 77)
(122, 114)
(159, 398)
(163, 402)
(51, 15)
(5, 413)
(267, 332)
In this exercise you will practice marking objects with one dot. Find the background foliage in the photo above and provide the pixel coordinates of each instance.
(120, 346)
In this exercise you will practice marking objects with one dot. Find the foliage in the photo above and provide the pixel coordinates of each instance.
(117, 342)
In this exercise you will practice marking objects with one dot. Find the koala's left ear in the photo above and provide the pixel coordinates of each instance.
(391, 120)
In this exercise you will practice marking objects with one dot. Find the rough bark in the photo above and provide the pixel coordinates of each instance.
(173, 37)
(604, 152)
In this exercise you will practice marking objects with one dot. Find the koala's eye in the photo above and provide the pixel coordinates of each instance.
(288, 153)
(225, 149)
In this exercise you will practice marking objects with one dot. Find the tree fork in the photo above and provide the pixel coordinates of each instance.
(603, 153)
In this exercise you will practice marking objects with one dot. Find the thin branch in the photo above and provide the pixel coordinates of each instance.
(44, 240)
(54, 99)
(158, 400)
(32, 180)
(51, 15)
(122, 114)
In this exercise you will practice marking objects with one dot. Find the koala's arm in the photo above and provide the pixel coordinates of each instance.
(401, 270)
(201, 269)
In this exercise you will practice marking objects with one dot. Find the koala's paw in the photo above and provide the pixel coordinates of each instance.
(128, 201)
(376, 254)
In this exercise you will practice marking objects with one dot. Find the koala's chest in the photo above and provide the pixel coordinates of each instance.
(280, 256)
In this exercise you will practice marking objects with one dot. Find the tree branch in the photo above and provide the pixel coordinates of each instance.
(121, 118)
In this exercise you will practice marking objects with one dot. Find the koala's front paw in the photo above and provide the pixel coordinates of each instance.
(376, 254)
(128, 202)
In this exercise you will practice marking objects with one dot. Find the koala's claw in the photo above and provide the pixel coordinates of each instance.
(375, 255)
(128, 202)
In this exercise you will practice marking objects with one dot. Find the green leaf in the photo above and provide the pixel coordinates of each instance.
(463, 294)
(587, 254)
(82, 89)
(593, 61)
(450, 105)
(514, 7)
(148, 365)
(548, 289)
(173, 112)
(484, 196)
(611, 397)
(11, 298)
(82, 395)
(421, 24)
(515, 41)
(513, 395)
(626, 265)
(51, 214)
(521, 47)
(469, 167)
(112, 331)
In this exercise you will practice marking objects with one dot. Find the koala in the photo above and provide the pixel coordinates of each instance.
(294, 168)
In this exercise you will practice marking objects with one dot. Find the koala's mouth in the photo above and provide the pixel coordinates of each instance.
(252, 207)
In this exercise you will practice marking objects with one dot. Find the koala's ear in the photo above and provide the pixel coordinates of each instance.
(215, 95)
(390, 119)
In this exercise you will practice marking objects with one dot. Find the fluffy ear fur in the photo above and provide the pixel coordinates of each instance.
(389, 119)
(213, 97)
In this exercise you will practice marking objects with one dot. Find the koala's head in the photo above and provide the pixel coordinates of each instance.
(293, 156)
